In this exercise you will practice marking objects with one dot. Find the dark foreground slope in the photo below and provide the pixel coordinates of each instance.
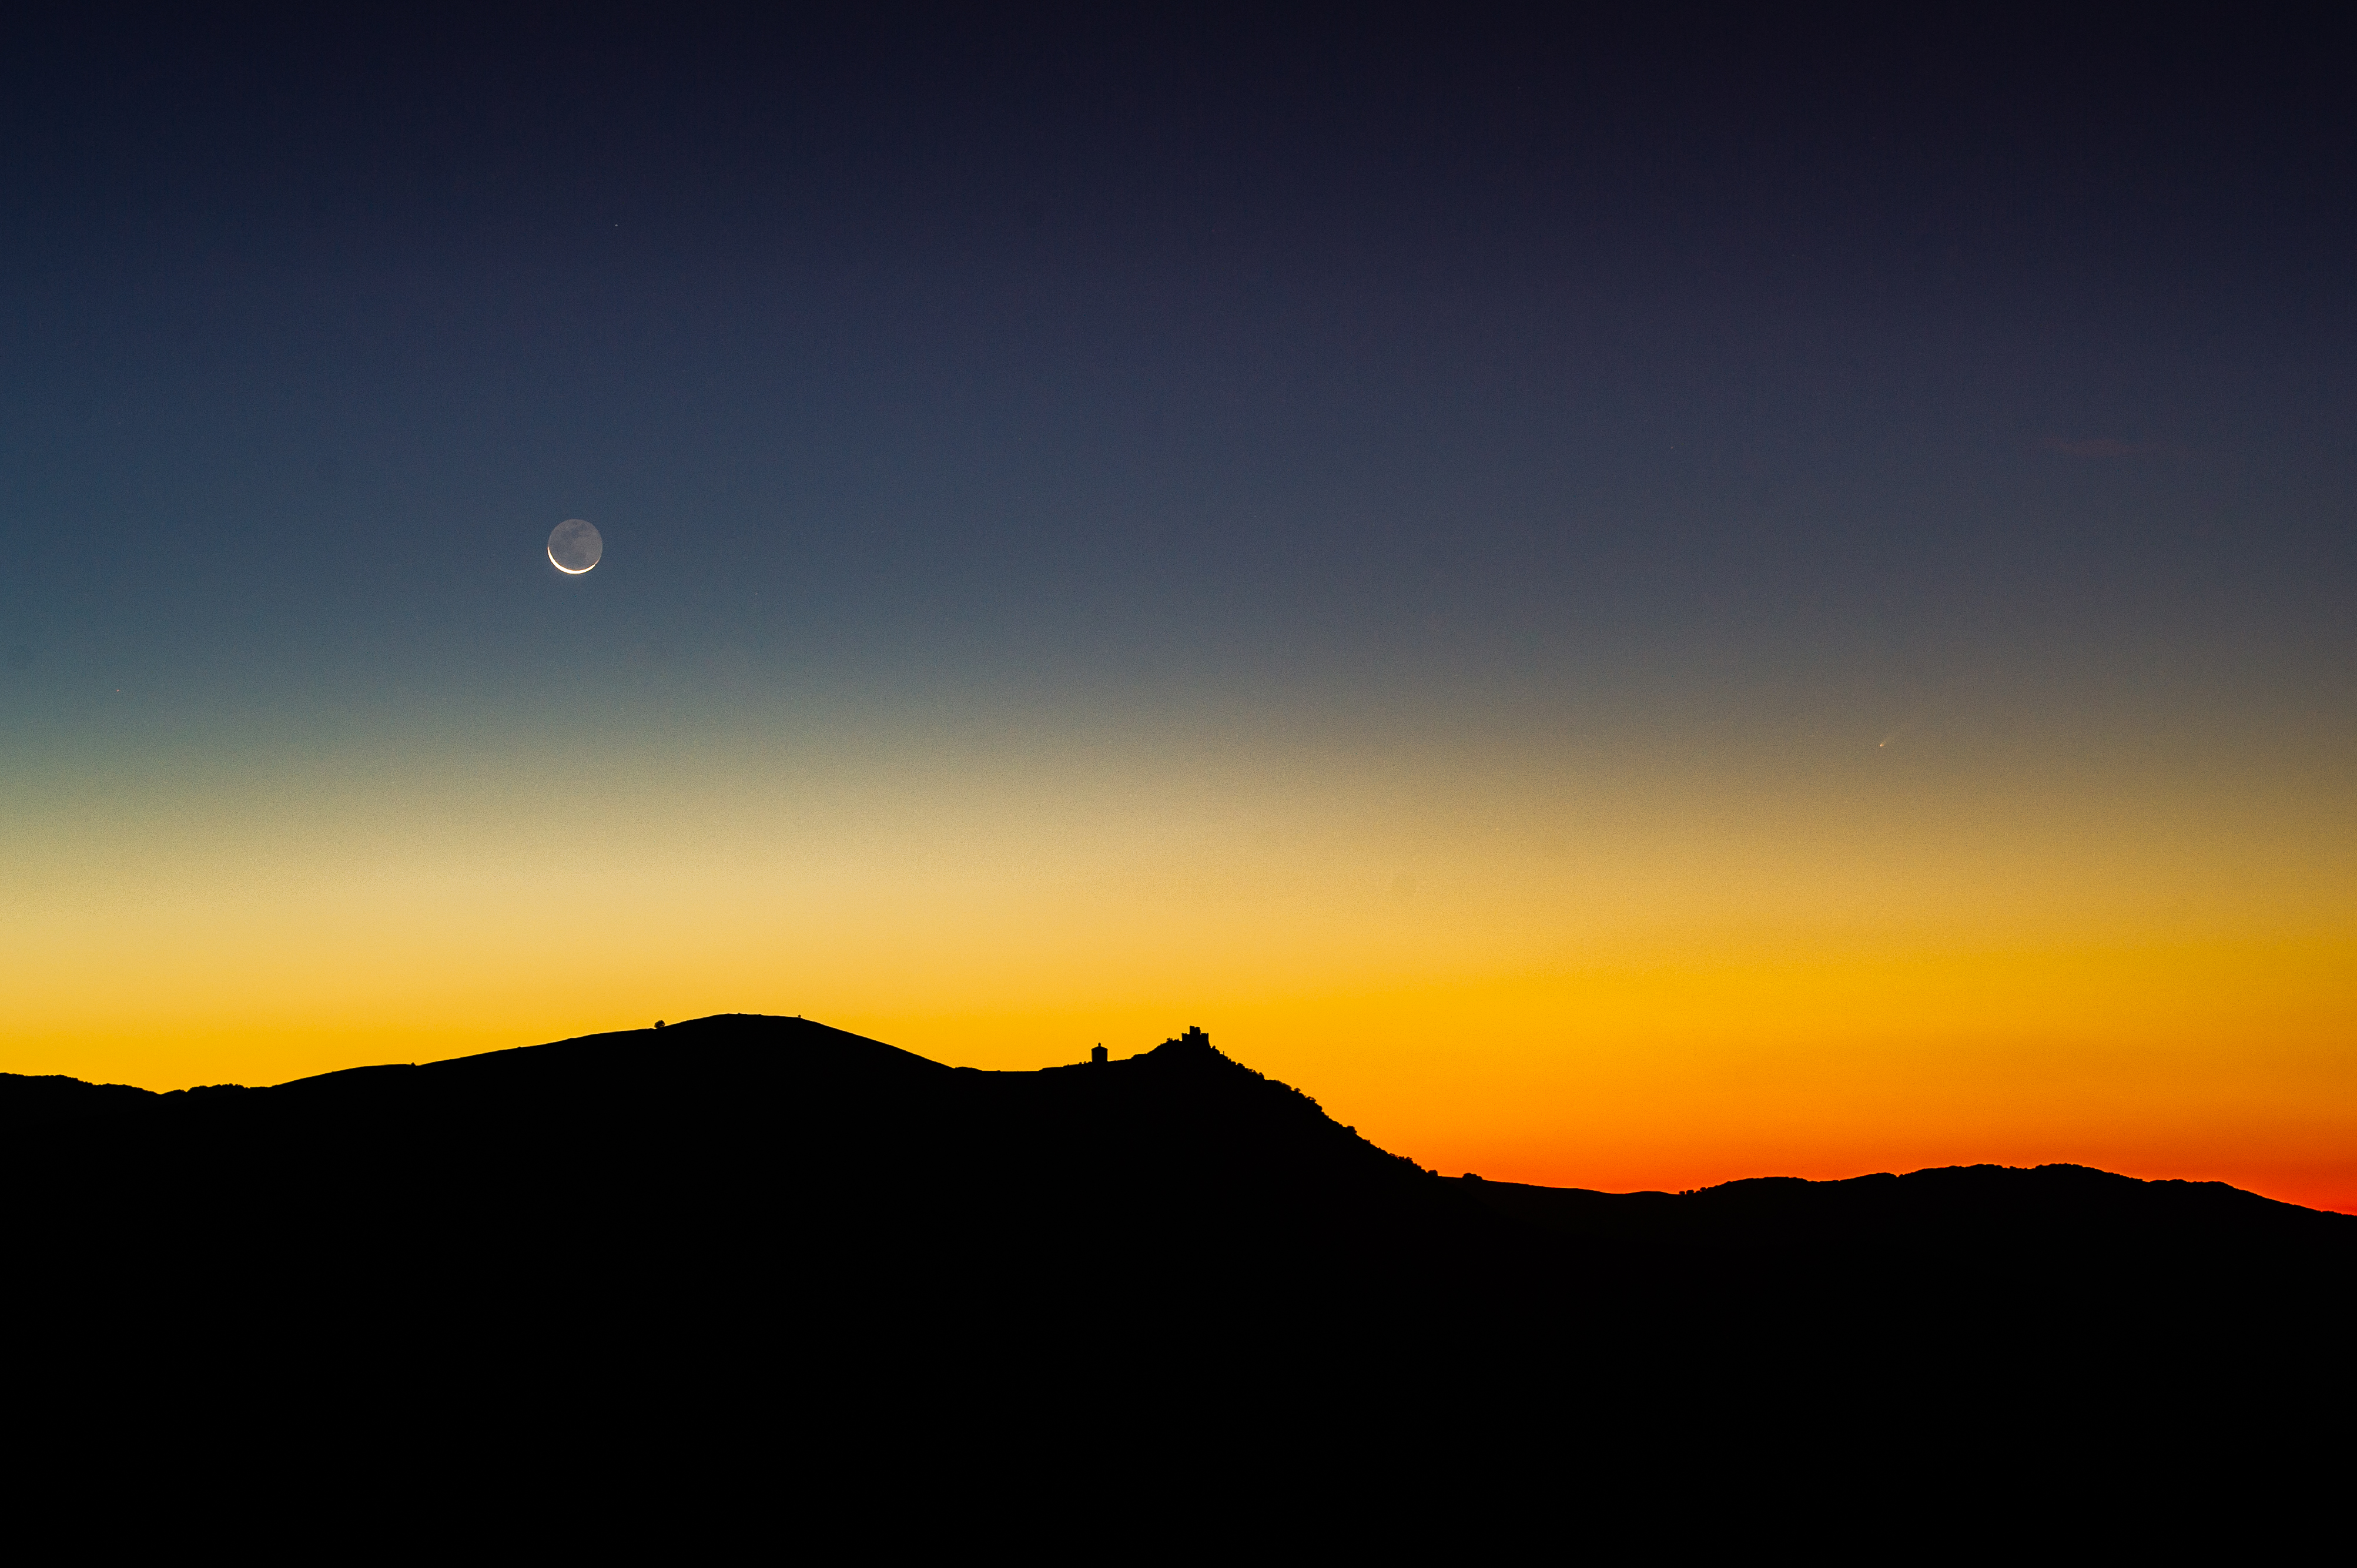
(766, 1212)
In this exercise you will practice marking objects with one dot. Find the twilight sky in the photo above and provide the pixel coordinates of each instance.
(1626, 606)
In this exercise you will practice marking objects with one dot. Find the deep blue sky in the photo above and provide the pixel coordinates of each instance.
(1318, 362)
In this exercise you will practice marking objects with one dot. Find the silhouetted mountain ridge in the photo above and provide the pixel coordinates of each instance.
(1178, 1127)
(698, 1228)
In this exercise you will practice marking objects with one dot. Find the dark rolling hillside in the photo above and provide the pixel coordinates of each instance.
(773, 1202)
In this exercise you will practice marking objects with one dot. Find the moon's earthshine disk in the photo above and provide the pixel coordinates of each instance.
(575, 546)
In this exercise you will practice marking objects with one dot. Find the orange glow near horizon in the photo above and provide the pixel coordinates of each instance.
(1583, 973)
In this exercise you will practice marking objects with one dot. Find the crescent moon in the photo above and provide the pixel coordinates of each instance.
(574, 546)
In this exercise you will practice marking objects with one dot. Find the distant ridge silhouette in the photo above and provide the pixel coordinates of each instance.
(755, 1210)
(1181, 1121)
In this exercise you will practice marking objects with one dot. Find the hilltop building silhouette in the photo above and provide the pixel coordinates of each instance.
(1193, 1040)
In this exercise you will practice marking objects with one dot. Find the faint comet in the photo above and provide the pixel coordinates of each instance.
(1894, 735)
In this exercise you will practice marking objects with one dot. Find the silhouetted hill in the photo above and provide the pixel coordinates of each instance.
(744, 1112)
(775, 1208)
(1958, 1205)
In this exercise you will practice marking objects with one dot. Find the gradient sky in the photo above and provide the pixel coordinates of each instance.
(1626, 606)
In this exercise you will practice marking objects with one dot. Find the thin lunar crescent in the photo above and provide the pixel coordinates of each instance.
(575, 546)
